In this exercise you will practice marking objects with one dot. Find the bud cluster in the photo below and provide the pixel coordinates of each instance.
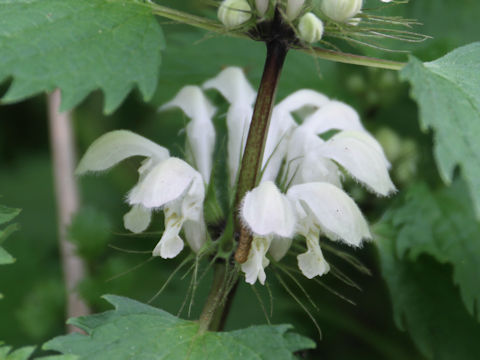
(244, 13)
(310, 20)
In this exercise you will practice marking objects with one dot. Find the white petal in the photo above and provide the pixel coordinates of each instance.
(193, 103)
(195, 233)
(171, 243)
(192, 203)
(238, 124)
(233, 85)
(200, 131)
(303, 164)
(266, 211)
(137, 219)
(334, 211)
(279, 247)
(312, 263)
(201, 138)
(301, 98)
(254, 267)
(281, 124)
(166, 182)
(293, 8)
(362, 156)
(300, 143)
(317, 169)
(115, 146)
(334, 115)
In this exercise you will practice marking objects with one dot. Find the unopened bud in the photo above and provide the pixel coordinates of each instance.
(310, 28)
(294, 7)
(341, 10)
(233, 13)
(262, 6)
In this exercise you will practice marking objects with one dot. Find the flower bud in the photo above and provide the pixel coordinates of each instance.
(310, 28)
(262, 6)
(294, 7)
(233, 13)
(341, 10)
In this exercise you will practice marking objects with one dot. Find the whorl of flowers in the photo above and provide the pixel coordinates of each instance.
(300, 192)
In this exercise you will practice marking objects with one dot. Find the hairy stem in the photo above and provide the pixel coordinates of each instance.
(252, 158)
(66, 191)
(211, 315)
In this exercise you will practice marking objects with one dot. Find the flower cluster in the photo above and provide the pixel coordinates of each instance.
(306, 17)
(300, 191)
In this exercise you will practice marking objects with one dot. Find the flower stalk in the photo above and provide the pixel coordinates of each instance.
(250, 170)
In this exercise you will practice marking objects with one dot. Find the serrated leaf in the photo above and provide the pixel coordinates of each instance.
(138, 331)
(427, 304)
(448, 93)
(441, 224)
(79, 46)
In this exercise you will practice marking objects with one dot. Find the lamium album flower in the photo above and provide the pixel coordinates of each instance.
(313, 144)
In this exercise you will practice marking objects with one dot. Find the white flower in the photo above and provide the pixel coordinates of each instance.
(200, 131)
(281, 126)
(233, 13)
(254, 267)
(362, 156)
(309, 158)
(310, 28)
(234, 86)
(164, 182)
(115, 146)
(270, 217)
(309, 169)
(341, 10)
(178, 189)
(323, 208)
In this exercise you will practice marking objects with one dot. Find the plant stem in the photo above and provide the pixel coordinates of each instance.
(212, 312)
(354, 59)
(66, 191)
(257, 136)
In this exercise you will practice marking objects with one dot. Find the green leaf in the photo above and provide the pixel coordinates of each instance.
(79, 46)
(26, 352)
(7, 214)
(19, 354)
(427, 304)
(138, 331)
(441, 224)
(448, 93)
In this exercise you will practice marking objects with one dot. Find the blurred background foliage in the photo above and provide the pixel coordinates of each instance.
(32, 310)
